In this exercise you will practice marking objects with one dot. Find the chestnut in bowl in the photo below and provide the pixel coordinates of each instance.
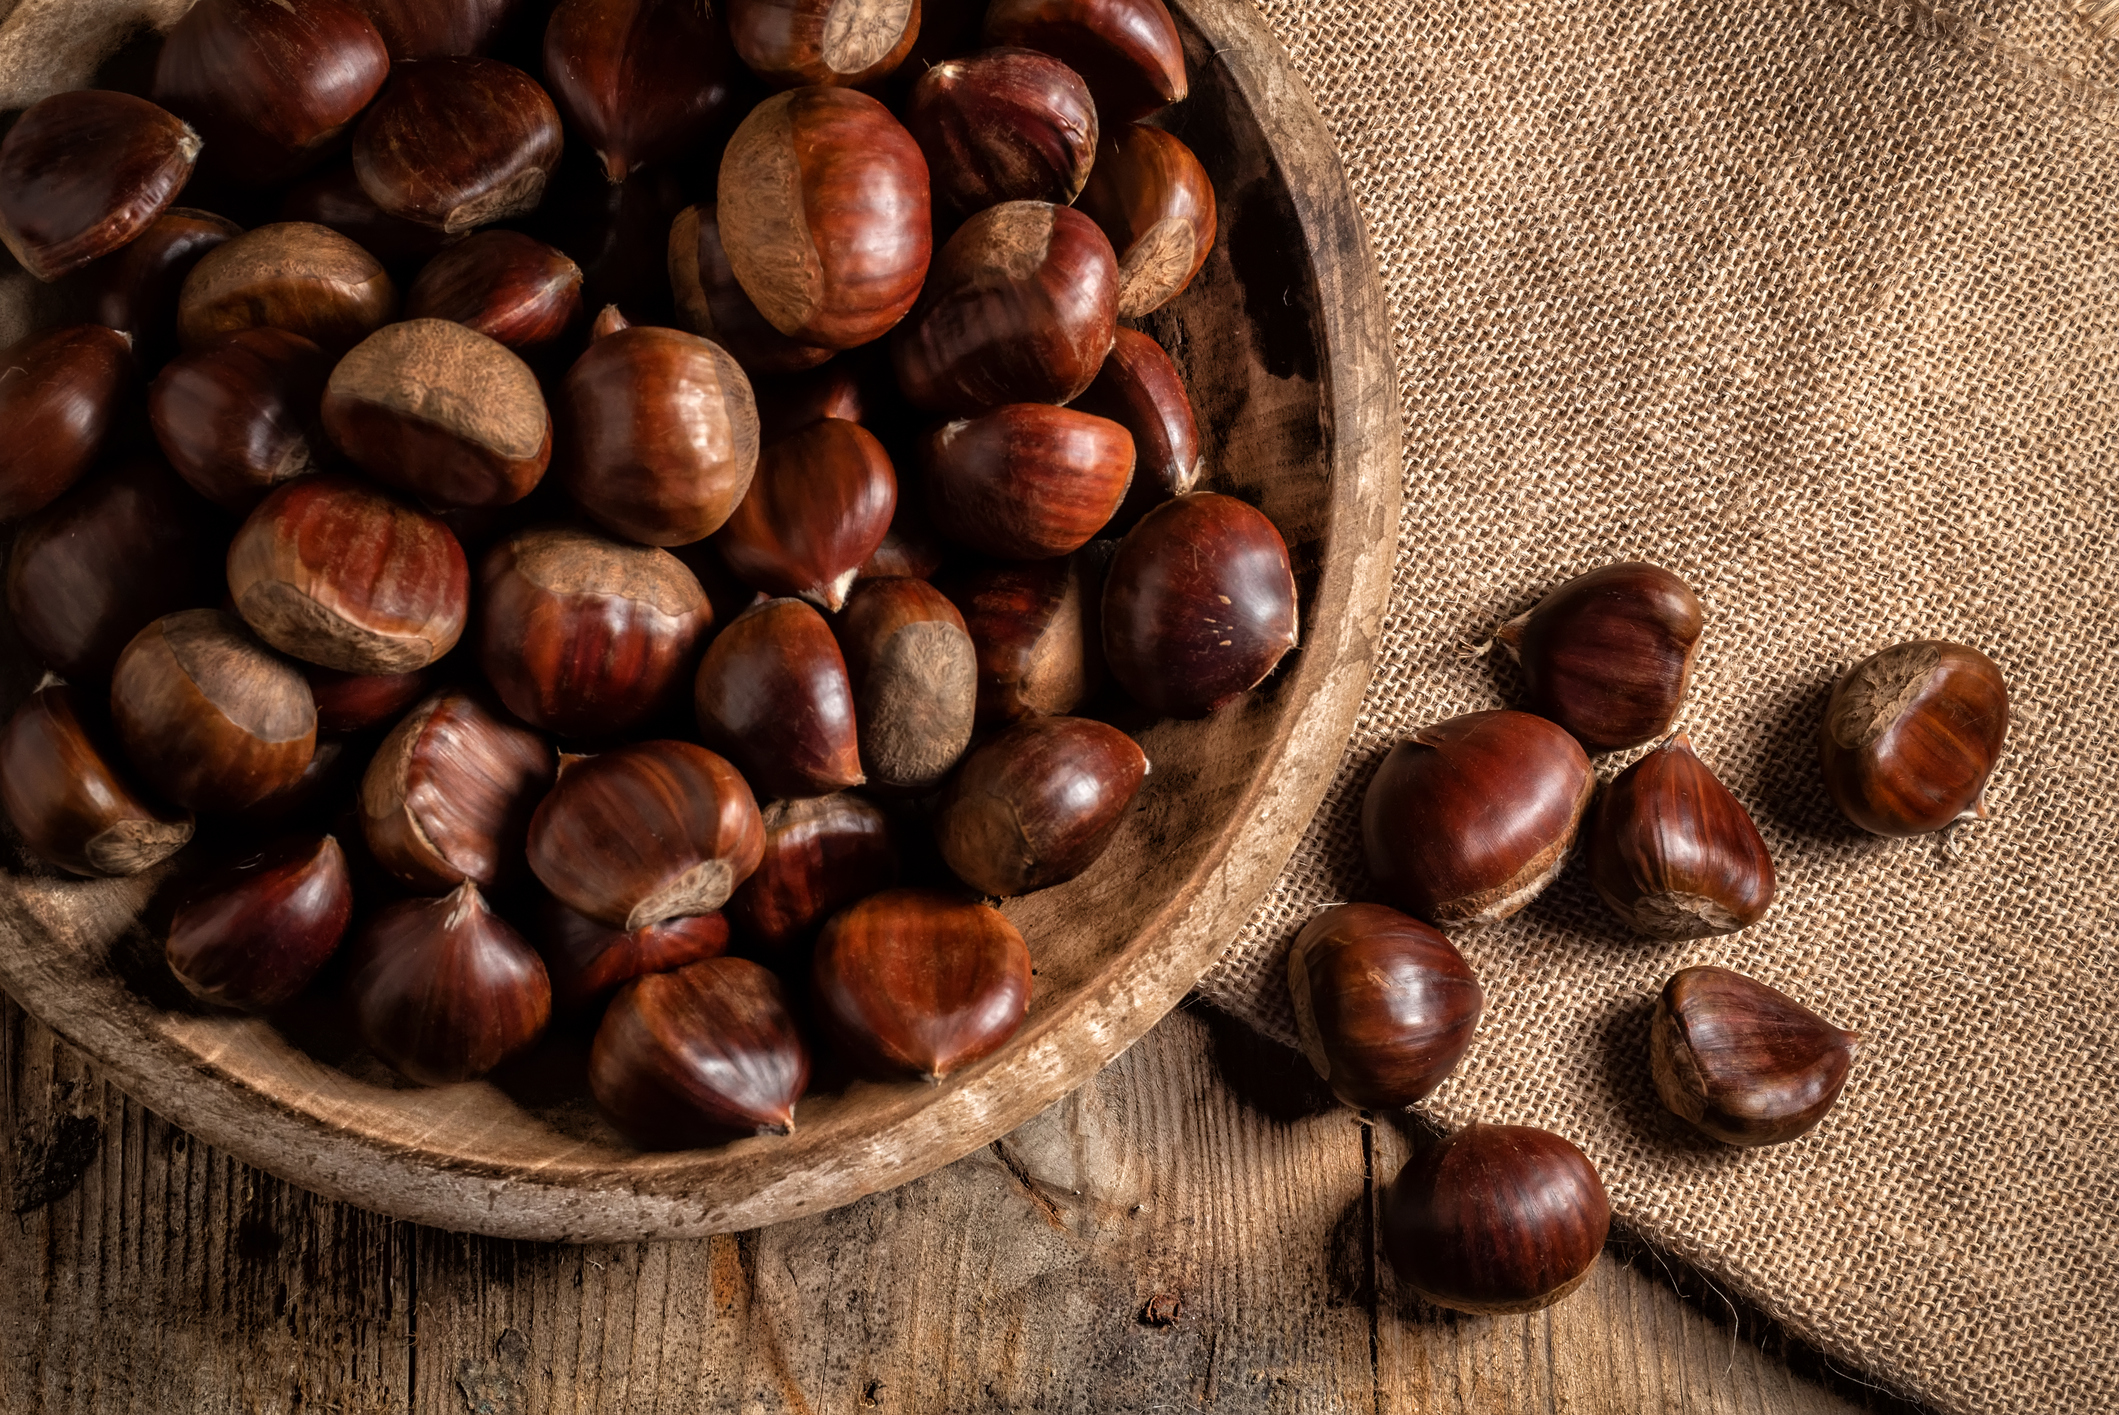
(255, 933)
(818, 505)
(1911, 735)
(915, 681)
(70, 796)
(1003, 125)
(712, 304)
(1036, 628)
(1127, 50)
(134, 288)
(85, 172)
(448, 795)
(291, 275)
(240, 416)
(512, 288)
(850, 43)
(1140, 389)
(59, 395)
(1037, 804)
(1152, 198)
(1384, 1004)
(1026, 481)
(642, 81)
(588, 961)
(821, 854)
(457, 143)
(772, 692)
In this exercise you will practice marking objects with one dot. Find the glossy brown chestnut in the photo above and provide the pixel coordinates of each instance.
(1026, 481)
(437, 29)
(1743, 1062)
(337, 574)
(588, 961)
(915, 681)
(355, 702)
(1021, 307)
(1384, 1004)
(791, 402)
(256, 932)
(823, 209)
(1003, 125)
(1673, 853)
(290, 275)
(1468, 820)
(1199, 604)
(239, 416)
(851, 43)
(134, 289)
(1036, 631)
(59, 394)
(710, 303)
(586, 636)
(772, 693)
(1609, 654)
(915, 982)
(333, 198)
(85, 172)
(1153, 199)
(661, 435)
(512, 288)
(444, 990)
(1037, 804)
(1127, 50)
(69, 796)
(1140, 389)
(1911, 736)
(104, 561)
(703, 1054)
(1496, 1219)
(646, 832)
(457, 143)
(817, 508)
(821, 854)
(211, 718)
(643, 81)
(449, 794)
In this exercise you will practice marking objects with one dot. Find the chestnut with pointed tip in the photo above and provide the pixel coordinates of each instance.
(437, 29)
(1127, 50)
(457, 143)
(355, 702)
(134, 288)
(609, 320)
(1026, 481)
(704, 1054)
(646, 832)
(1673, 853)
(256, 932)
(1037, 804)
(1021, 308)
(772, 692)
(1003, 125)
(915, 681)
(1743, 1062)
(1199, 604)
(849, 43)
(642, 81)
(1152, 198)
(1496, 1219)
(588, 961)
(444, 990)
(818, 505)
(512, 288)
(1609, 654)
(1035, 627)
(291, 275)
(85, 172)
(712, 304)
(59, 395)
(449, 794)
(240, 416)
(333, 197)
(914, 982)
(1384, 1004)
(1911, 735)
(71, 798)
(1468, 820)
(821, 854)
(1140, 389)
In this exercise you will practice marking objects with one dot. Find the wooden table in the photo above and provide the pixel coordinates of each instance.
(1192, 1231)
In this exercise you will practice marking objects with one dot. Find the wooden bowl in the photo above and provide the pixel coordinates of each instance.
(1285, 342)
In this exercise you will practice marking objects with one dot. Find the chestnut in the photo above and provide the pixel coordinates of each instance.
(1152, 198)
(85, 172)
(588, 961)
(1496, 1219)
(512, 288)
(1021, 308)
(1127, 50)
(1468, 820)
(585, 636)
(239, 416)
(1036, 631)
(1911, 735)
(134, 289)
(457, 143)
(1140, 389)
(915, 681)
(852, 43)
(1199, 604)
(355, 702)
(270, 86)
(437, 29)
(59, 395)
(772, 692)
(646, 832)
(1673, 853)
(661, 435)
(449, 794)
(290, 275)
(793, 401)
(333, 198)
(68, 796)
(1384, 1004)
(255, 933)
(1609, 654)
(1026, 481)
(643, 81)
(444, 990)
(110, 557)
(823, 210)
(1037, 804)
(334, 573)
(706, 1053)
(821, 854)
(609, 320)
(818, 506)
(712, 304)
(916, 982)
(1003, 125)
(1743, 1062)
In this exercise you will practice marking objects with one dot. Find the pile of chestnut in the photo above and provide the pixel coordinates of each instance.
(718, 738)
(1465, 822)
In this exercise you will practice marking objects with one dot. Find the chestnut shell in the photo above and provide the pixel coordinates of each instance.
(255, 933)
(1038, 803)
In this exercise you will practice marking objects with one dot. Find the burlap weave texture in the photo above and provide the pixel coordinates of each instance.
(1817, 305)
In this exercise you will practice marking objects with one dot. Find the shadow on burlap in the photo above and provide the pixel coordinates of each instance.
(1817, 305)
